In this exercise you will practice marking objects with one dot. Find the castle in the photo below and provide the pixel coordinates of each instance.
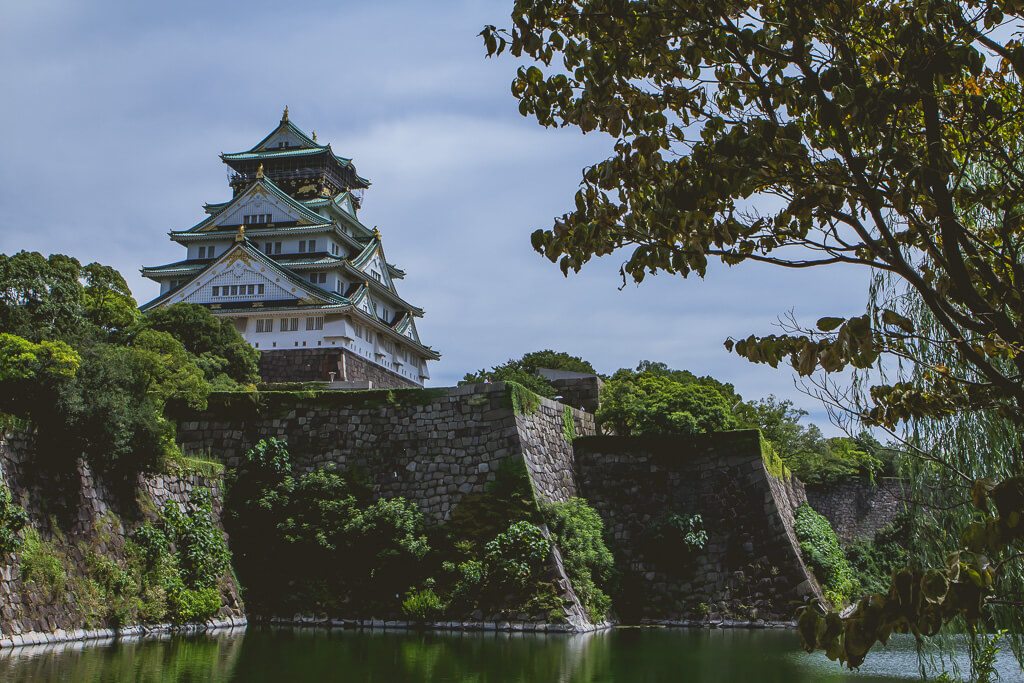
(288, 262)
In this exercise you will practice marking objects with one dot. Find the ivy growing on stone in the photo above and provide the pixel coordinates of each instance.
(568, 425)
(12, 520)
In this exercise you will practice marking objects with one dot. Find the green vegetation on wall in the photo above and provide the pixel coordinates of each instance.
(820, 548)
(171, 569)
(579, 535)
(12, 520)
(568, 424)
(321, 542)
(524, 401)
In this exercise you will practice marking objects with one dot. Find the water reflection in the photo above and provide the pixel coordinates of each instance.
(321, 655)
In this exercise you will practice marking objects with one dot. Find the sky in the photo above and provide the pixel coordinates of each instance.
(115, 112)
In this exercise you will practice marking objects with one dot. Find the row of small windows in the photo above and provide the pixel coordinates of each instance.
(318, 278)
(257, 218)
(237, 290)
(207, 252)
(303, 243)
(289, 324)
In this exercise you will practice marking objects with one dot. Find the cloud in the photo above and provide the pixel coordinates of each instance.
(117, 110)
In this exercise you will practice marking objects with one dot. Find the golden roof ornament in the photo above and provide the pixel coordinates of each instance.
(284, 116)
(259, 172)
(314, 136)
(240, 237)
(376, 232)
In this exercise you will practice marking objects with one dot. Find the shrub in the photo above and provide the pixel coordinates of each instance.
(651, 404)
(43, 565)
(578, 532)
(192, 604)
(518, 554)
(422, 605)
(675, 539)
(820, 548)
(12, 520)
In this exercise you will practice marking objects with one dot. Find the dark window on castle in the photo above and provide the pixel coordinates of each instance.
(202, 252)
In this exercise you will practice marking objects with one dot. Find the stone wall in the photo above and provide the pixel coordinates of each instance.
(80, 515)
(579, 392)
(432, 446)
(857, 510)
(750, 568)
(315, 365)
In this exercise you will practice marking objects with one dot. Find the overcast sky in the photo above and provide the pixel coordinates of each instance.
(114, 114)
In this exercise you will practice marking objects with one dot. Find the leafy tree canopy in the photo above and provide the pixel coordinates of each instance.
(643, 402)
(76, 359)
(524, 370)
(860, 121)
(220, 348)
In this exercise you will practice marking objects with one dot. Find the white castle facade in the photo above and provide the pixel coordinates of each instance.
(288, 262)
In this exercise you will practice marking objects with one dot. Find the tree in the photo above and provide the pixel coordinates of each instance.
(646, 403)
(524, 371)
(219, 347)
(858, 121)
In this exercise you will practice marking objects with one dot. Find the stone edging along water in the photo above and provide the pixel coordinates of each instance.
(138, 631)
(516, 626)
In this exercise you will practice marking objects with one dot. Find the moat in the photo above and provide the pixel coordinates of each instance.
(625, 654)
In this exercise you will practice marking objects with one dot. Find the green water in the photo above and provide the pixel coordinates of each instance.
(299, 655)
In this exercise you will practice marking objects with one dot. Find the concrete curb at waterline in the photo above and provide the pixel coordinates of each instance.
(507, 626)
(139, 631)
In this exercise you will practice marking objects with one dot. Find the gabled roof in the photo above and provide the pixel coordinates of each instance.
(244, 250)
(262, 184)
(286, 126)
(307, 146)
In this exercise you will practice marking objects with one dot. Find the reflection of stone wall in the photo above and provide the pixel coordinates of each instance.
(79, 515)
(749, 569)
(315, 365)
(857, 510)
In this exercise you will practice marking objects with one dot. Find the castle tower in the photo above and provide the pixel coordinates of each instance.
(287, 260)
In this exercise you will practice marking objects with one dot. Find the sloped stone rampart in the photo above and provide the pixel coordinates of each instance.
(858, 509)
(750, 568)
(78, 514)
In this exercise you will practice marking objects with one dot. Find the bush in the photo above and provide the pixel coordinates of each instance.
(12, 520)
(191, 605)
(578, 532)
(43, 565)
(518, 554)
(820, 548)
(422, 605)
(875, 560)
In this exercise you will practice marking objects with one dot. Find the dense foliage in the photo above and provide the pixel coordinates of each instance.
(12, 520)
(317, 539)
(646, 402)
(578, 533)
(78, 360)
(184, 558)
(524, 371)
(864, 123)
(820, 548)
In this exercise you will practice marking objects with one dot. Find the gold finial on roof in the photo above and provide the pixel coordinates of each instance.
(314, 136)
(284, 116)
(367, 283)
(240, 237)
(259, 172)
(376, 232)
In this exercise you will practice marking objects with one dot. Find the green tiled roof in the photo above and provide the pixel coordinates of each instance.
(312, 216)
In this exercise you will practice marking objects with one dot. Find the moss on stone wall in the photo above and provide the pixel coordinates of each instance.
(773, 462)
(242, 404)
